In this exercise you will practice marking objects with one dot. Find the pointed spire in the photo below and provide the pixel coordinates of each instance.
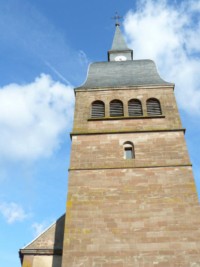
(118, 41)
(119, 50)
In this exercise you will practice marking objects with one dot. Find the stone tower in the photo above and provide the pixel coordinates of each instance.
(131, 199)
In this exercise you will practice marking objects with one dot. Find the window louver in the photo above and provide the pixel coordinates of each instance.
(153, 107)
(98, 109)
(135, 107)
(116, 108)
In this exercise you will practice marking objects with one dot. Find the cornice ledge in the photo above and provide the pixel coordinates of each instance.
(132, 167)
(127, 118)
(40, 252)
(74, 133)
(128, 87)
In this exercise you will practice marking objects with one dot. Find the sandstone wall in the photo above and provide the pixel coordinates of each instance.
(151, 149)
(125, 217)
(139, 212)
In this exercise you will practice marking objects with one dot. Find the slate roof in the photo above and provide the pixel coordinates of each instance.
(123, 74)
(118, 41)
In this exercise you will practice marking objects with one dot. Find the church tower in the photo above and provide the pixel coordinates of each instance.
(131, 199)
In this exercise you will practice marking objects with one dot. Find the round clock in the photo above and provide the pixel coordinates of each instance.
(120, 58)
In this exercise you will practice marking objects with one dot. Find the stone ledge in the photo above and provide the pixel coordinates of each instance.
(41, 251)
(127, 118)
(126, 131)
(133, 87)
(136, 167)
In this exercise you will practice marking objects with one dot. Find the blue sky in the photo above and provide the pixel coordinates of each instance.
(45, 49)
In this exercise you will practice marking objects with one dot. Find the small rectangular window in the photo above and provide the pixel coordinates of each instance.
(128, 153)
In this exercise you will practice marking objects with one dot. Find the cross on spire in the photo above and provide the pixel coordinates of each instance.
(117, 18)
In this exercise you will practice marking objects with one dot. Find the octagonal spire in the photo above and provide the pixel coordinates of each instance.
(119, 50)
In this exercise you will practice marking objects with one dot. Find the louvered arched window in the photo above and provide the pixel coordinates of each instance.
(129, 152)
(134, 107)
(153, 107)
(98, 109)
(116, 108)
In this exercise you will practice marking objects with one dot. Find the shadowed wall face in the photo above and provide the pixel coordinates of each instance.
(43, 261)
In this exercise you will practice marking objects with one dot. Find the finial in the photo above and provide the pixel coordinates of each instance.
(117, 18)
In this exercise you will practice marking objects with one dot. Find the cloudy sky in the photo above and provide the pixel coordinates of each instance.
(45, 49)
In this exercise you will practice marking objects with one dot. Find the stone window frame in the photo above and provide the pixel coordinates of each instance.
(112, 113)
(137, 109)
(128, 148)
(98, 111)
(157, 110)
(125, 107)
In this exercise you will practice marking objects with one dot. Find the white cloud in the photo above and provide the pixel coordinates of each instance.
(169, 34)
(12, 212)
(33, 117)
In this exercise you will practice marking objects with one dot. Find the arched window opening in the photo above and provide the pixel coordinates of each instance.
(116, 108)
(129, 152)
(153, 107)
(134, 107)
(98, 109)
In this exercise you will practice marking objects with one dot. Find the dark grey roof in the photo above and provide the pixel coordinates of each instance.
(123, 74)
(118, 41)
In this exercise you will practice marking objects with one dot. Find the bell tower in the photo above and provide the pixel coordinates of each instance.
(131, 198)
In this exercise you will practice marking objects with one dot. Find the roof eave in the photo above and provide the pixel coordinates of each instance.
(136, 86)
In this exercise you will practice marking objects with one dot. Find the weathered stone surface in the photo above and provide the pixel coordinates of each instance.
(151, 149)
(138, 212)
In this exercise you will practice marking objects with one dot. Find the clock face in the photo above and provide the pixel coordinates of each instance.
(120, 58)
